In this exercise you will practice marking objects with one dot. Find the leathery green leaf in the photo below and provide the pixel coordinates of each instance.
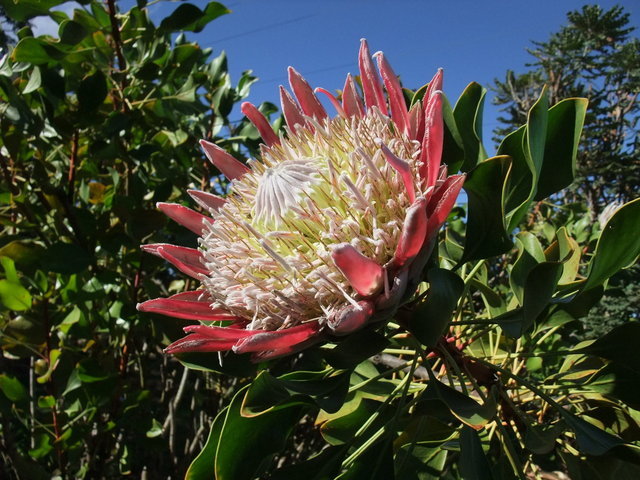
(473, 462)
(564, 127)
(618, 246)
(462, 406)
(244, 443)
(432, 315)
(486, 234)
(468, 115)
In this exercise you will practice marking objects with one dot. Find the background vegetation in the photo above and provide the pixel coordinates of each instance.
(99, 125)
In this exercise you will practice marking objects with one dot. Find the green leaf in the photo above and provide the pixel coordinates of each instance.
(473, 462)
(228, 364)
(323, 466)
(568, 249)
(71, 32)
(355, 348)
(432, 315)
(9, 269)
(35, 80)
(519, 181)
(618, 246)
(618, 381)
(66, 258)
(155, 430)
(42, 446)
(541, 439)
(463, 407)
(244, 443)
(591, 439)
(203, 466)
(14, 296)
(375, 463)
(619, 345)
(564, 127)
(190, 18)
(420, 462)
(530, 254)
(92, 91)
(452, 145)
(12, 388)
(31, 50)
(486, 235)
(468, 115)
(267, 392)
(26, 9)
(339, 428)
(539, 288)
(526, 148)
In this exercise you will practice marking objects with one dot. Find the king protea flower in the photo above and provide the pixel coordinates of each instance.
(327, 232)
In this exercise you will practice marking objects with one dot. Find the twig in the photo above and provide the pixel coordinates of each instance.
(117, 41)
(72, 166)
(6, 171)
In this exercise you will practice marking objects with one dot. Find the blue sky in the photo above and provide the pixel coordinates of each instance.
(472, 40)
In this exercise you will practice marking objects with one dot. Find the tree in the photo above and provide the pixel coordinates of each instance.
(96, 126)
(595, 56)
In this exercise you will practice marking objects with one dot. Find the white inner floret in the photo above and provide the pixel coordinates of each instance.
(280, 188)
(268, 250)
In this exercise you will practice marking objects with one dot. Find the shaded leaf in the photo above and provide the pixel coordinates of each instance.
(203, 466)
(71, 32)
(591, 440)
(323, 466)
(92, 91)
(618, 381)
(486, 235)
(355, 348)
(66, 258)
(473, 462)
(244, 443)
(462, 406)
(432, 315)
(539, 288)
(375, 463)
(190, 18)
(266, 391)
(228, 364)
(619, 345)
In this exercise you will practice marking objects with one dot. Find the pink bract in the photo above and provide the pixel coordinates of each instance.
(328, 232)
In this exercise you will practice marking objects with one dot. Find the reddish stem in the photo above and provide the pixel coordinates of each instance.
(72, 166)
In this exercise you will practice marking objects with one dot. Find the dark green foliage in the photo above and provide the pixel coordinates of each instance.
(97, 127)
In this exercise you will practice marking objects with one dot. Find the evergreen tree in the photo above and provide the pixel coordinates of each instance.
(595, 56)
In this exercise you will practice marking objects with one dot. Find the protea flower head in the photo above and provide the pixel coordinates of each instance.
(327, 232)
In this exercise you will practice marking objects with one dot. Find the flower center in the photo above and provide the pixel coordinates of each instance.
(280, 189)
